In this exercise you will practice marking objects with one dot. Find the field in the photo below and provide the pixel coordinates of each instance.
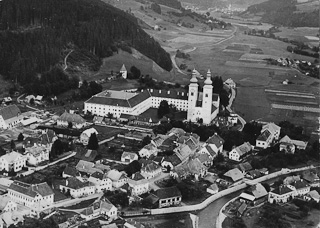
(299, 34)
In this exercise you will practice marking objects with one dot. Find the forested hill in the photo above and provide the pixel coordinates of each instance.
(34, 33)
(285, 13)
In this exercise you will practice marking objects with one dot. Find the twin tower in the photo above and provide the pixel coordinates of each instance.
(202, 106)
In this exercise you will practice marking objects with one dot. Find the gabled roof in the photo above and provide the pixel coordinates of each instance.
(157, 141)
(210, 150)
(47, 136)
(314, 195)
(216, 140)
(300, 184)
(129, 155)
(243, 149)
(235, 174)
(85, 154)
(115, 175)
(73, 118)
(264, 135)
(214, 187)
(287, 140)
(183, 151)
(310, 176)
(11, 157)
(9, 111)
(164, 193)
(137, 178)
(281, 190)
(4, 201)
(195, 166)
(244, 167)
(257, 191)
(270, 127)
(31, 190)
(151, 167)
(71, 171)
(173, 159)
(75, 183)
(204, 158)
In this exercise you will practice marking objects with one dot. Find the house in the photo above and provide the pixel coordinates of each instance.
(85, 135)
(100, 181)
(312, 195)
(269, 133)
(170, 162)
(183, 152)
(207, 149)
(118, 178)
(70, 172)
(239, 152)
(71, 120)
(87, 168)
(311, 178)
(98, 119)
(38, 99)
(192, 167)
(216, 143)
(11, 218)
(230, 83)
(213, 189)
(263, 171)
(253, 174)
(35, 196)
(148, 150)
(10, 116)
(282, 194)
(12, 161)
(77, 188)
(100, 207)
(289, 145)
(138, 184)
(205, 159)
(234, 174)
(168, 196)
(29, 98)
(6, 204)
(150, 169)
(299, 187)
(255, 194)
(85, 154)
(37, 154)
(244, 167)
(128, 157)
(291, 179)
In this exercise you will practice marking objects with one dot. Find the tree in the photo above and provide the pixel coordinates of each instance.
(12, 145)
(156, 8)
(57, 148)
(132, 168)
(136, 73)
(163, 109)
(20, 137)
(31, 101)
(146, 140)
(93, 142)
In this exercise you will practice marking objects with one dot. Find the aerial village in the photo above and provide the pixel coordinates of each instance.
(117, 164)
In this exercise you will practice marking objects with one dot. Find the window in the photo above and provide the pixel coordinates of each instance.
(206, 95)
(191, 93)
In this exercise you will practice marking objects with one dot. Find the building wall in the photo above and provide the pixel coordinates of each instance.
(233, 155)
(28, 201)
(169, 201)
(76, 193)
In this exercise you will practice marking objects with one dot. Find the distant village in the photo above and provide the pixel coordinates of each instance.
(109, 178)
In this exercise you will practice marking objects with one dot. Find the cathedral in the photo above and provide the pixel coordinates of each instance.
(201, 106)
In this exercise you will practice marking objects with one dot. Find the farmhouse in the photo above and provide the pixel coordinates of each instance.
(71, 119)
(237, 153)
(34, 196)
(199, 105)
(269, 133)
(77, 188)
(12, 162)
(290, 145)
(168, 196)
(85, 135)
(10, 116)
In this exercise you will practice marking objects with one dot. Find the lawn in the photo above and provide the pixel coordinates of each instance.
(82, 204)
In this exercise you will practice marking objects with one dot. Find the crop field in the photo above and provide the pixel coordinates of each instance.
(298, 33)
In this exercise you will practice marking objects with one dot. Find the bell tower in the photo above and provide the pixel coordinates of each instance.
(207, 99)
(192, 95)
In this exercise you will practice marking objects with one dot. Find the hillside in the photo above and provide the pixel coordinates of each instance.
(285, 13)
(204, 4)
(36, 35)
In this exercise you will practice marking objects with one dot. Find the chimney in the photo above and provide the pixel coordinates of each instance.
(67, 182)
(178, 92)
(142, 91)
